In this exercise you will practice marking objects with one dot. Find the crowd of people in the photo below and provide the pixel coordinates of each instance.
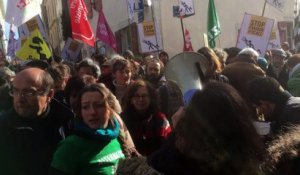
(121, 115)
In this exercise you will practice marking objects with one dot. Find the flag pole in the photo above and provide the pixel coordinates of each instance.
(263, 12)
(181, 23)
(219, 42)
(154, 19)
(182, 29)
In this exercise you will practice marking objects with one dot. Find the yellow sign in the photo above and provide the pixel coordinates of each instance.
(257, 25)
(149, 28)
(34, 47)
(273, 35)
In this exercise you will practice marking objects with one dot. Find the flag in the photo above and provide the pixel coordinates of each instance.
(279, 4)
(104, 32)
(34, 47)
(187, 41)
(140, 10)
(81, 28)
(12, 43)
(213, 25)
(130, 9)
(20, 11)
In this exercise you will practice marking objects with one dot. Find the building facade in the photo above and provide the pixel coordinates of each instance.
(230, 14)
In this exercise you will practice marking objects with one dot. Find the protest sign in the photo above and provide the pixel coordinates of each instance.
(71, 50)
(149, 37)
(34, 48)
(255, 33)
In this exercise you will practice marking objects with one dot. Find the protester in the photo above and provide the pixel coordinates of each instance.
(164, 57)
(232, 53)
(239, 73)
(293, 84)
(214, 68)
(31, 130)
(286, 47)
(122, 72)
(277, 105)
(155, 72)
(88, 67)
(247, 55)
(6, 77)
(148, 126)
(60, 74)
(215, 135)
(75, 85)
(169, 94)
(94, 146)
(137, 70)
(222, 55)
(283, 153)
(3, 61)
(277, 68)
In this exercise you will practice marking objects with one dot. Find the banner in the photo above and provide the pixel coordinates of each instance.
(279, 4)
(81, 28)
(20, 11)
(213, 24)
(34, 23)
(187, 41)
(104, 32)
(186, 8)
(140, 10)
(12, 44)
(255, 33)
(274, 42)
(149, 37)
(34, 48)
(71, 50)
(130, 9)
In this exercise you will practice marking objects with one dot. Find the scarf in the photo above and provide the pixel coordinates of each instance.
(111, 132)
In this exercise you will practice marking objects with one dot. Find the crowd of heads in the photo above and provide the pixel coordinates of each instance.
(216, 130)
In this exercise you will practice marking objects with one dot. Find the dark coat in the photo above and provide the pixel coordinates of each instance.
(27, 144)
(286, 114)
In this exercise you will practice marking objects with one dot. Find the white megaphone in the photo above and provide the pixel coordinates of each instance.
(187, 69)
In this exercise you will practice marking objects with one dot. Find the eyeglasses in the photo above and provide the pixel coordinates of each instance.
(143, 96)
(26, 93)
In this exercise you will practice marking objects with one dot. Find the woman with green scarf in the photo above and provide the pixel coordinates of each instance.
(94, 147)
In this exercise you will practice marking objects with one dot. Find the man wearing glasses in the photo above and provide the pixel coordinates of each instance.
(30, 131)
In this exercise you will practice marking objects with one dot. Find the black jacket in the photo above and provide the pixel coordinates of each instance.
(27, 144)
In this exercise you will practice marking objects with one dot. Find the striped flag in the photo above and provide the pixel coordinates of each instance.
(213, 24)
(81, 28)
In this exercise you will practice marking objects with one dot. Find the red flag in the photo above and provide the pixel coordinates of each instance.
(81, 28)
(104, 32)
(187, 41)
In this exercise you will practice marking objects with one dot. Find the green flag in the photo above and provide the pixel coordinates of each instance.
(213, 25)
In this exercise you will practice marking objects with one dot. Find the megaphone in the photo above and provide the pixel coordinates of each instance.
(187, 69)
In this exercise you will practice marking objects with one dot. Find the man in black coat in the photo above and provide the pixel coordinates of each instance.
(31, 130)
(278, 106)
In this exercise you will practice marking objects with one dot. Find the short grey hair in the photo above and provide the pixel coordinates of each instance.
(249, 51)
(88, 62)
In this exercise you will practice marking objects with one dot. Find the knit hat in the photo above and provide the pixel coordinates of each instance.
(279, 52)
(262, 63)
